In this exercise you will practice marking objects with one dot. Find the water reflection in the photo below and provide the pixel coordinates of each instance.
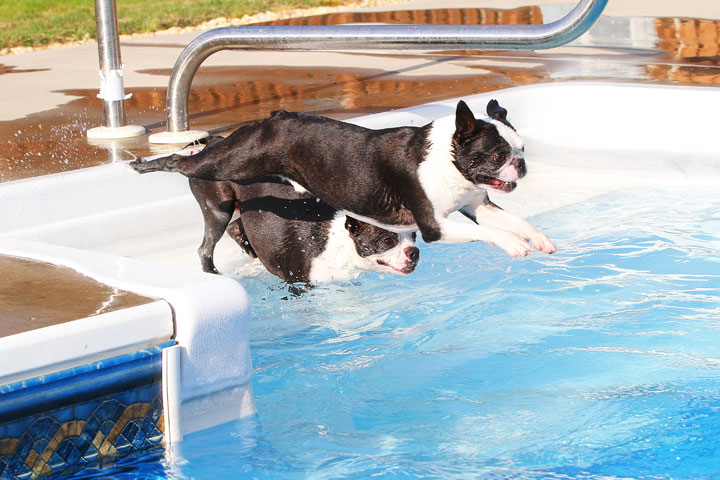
(54, 141)
(690, 39)
(442, 16)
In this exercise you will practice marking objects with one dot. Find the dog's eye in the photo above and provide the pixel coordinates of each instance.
(499, 157)
(389, 241)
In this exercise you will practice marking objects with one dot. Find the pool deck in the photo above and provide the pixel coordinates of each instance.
(49, 96)
(42, 130)
(71, 296)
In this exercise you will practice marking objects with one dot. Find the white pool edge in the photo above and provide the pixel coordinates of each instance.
(71, 344)
(211, 327)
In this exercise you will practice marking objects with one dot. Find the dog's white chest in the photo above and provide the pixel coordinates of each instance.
(443, 183)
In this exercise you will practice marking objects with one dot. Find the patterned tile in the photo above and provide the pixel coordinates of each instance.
(68, 437)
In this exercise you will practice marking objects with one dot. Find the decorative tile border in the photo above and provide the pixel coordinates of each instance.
(67, 428)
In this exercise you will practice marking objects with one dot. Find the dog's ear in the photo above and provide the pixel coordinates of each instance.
(496, 112)
(352, 225)
(464, 120)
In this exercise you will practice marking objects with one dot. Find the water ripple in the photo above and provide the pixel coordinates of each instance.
(598, 362)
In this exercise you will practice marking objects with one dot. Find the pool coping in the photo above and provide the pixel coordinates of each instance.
(71, 344)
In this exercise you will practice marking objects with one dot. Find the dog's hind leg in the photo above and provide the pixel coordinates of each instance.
(241, 156)
(215, 223)
(215, 164)
(217, 204)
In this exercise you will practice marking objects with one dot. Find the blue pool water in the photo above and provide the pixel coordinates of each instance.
(602, 361)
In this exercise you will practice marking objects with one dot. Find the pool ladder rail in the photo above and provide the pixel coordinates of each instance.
(326, 37)
(481, 37)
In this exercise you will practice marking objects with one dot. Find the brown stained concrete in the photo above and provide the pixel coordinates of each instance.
(36, 294)
(4, 69)
(54, 141)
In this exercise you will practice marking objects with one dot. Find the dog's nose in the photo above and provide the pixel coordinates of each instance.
(413, 253)
(519, 163)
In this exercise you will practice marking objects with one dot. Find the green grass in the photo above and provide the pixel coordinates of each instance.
(40, 22)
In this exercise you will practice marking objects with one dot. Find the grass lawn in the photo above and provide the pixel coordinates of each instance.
(40, 22)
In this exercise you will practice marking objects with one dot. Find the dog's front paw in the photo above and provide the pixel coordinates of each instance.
(512, 244)
(541, 242)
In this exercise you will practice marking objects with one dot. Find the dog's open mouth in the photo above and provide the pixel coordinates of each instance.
(497, 184)
(406, 270)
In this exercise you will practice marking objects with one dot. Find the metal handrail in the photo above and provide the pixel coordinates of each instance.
(485, 37)
(112, 91)
(109, 55)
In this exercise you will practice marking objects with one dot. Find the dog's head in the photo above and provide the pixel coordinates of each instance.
(383, 250)
(489, 151)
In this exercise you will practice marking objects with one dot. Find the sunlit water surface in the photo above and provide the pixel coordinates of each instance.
(600, 361)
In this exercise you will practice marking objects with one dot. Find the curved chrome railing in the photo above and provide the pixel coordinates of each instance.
(484, 37)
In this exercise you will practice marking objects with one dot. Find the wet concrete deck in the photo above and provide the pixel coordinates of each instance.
(234, 87)
(36, 294)
(49, 97)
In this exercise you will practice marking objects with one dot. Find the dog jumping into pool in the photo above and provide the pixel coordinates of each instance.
(401, 179)
(295, 236)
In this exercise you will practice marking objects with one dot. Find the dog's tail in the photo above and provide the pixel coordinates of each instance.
(162, 164)
(169, 163)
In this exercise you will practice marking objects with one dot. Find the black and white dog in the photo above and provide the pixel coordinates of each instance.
(401, 179)
(295, 236)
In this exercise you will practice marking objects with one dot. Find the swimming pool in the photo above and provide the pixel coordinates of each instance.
(601, 361)
(475, 365)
